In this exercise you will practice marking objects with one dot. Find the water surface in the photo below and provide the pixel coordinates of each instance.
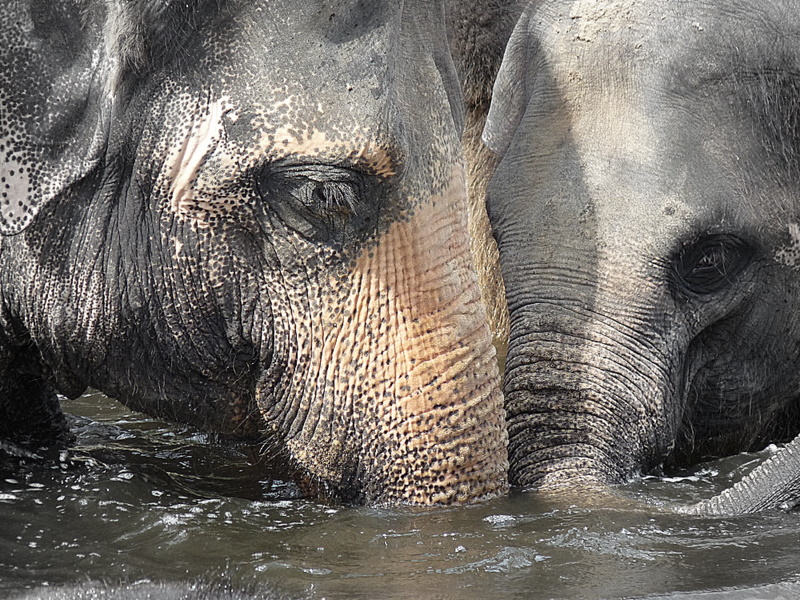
(141, 500)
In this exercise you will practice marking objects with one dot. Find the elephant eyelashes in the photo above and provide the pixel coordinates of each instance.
(321, 202)
(711, 264)
(332, 196)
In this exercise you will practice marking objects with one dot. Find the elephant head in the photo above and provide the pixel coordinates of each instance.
(250, 216)
(646, 209)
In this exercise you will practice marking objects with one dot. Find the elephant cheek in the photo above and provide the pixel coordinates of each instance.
(413, 397)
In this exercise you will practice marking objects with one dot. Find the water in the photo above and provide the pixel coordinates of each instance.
(141, 500)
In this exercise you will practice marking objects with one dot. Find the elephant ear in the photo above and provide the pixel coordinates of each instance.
(55, 102)
(511, 91)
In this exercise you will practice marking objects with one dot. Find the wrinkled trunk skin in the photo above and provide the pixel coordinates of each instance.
(773, 485)
(587, 386)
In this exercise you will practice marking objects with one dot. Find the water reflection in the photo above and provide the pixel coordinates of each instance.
(141, 500)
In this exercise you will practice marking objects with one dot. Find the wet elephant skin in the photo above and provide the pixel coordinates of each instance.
(249, 217)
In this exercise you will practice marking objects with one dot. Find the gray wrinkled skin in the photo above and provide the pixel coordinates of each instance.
(646, 209)
(250, 217)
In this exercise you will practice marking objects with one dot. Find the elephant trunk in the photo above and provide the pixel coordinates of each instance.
(586, 394)
(584, 412)
(774, 484)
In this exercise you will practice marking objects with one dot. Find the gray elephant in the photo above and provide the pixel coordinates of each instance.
(647, 213)
(248, 216)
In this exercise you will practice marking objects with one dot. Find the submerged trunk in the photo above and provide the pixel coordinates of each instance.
(587, 385)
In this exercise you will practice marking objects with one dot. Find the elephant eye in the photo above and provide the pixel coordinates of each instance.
(712, 263)
(326, 192)
(321, 202)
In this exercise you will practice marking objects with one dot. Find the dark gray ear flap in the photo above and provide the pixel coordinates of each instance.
(55, 102)
(511, 91)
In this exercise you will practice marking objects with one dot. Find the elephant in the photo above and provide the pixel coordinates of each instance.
(248, 216)
(646, 209)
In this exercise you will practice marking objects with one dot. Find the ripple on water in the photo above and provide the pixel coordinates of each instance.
(137, 499)
(507, 560)
(501, 521)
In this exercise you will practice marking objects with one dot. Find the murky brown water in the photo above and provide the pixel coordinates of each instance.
(141, 500)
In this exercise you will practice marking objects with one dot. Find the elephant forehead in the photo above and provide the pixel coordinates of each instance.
(291, 127)
(705, 127)
(684, 42)
(590, 18)
(632, 90)
(255, 106)
(326, 80)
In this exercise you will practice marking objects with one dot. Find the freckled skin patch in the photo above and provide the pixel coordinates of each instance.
(403, 340)
(206, 156)
(272, 245)
(789, 255)
(51, 129)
